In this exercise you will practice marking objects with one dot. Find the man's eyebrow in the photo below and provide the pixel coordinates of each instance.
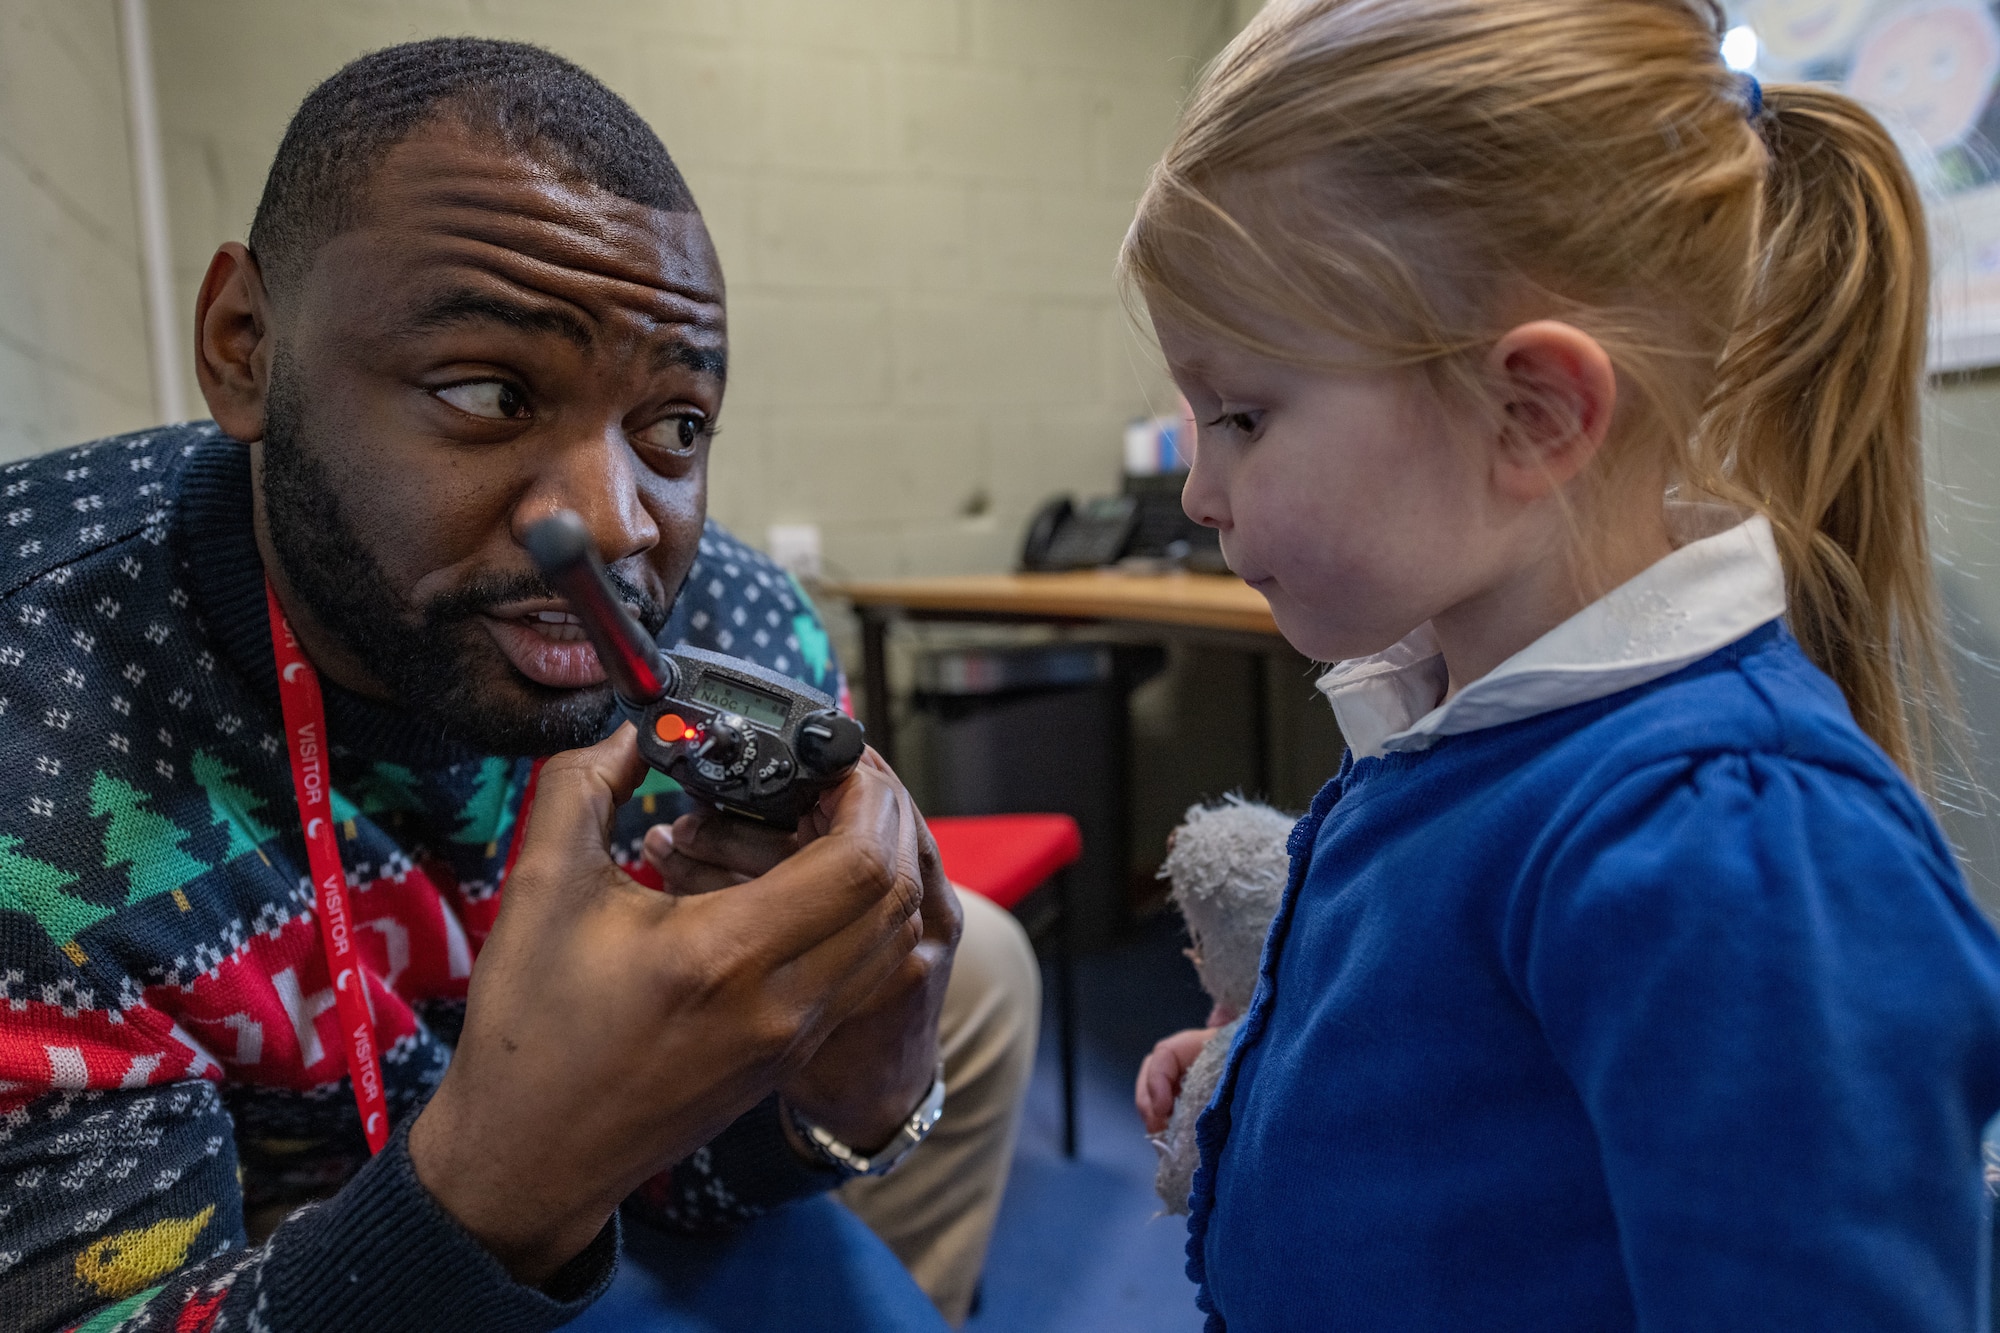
(702, 360)
(464, 307)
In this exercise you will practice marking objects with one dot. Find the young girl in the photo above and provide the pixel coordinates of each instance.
(1562, 386)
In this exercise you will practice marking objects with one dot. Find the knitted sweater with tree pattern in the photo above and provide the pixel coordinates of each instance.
(170, 1074)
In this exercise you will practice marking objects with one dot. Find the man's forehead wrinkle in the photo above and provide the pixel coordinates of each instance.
(495, 285)
(665, 280)
(608, 233)
(462, 305)
(595, 296)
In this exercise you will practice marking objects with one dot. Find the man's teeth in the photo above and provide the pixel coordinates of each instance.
(561, 626)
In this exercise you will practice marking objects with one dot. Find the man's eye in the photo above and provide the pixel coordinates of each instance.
(494, 399)
(676, 434)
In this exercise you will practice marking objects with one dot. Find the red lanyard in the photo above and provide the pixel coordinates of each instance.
(305, 729)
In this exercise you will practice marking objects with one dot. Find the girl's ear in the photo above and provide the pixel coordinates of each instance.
(1556, 390)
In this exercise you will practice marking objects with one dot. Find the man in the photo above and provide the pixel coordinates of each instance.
(476, 292)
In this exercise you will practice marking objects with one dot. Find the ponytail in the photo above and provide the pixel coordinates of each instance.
(1815, 417)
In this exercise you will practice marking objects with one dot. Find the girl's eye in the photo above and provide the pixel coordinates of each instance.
(1239, 423)
(677, 434)
(496, 400)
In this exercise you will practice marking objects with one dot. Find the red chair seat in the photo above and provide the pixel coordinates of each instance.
(1005, 858)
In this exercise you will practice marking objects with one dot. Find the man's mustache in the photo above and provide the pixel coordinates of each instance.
(481, 594)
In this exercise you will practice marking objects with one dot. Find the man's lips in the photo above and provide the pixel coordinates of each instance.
(546, 654)
(545, 643)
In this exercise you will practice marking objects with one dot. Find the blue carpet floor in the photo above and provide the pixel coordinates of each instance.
(1082, 1245)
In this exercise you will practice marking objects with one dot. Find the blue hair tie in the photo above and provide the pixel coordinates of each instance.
(1753, 93)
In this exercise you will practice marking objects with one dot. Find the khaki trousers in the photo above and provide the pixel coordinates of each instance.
(936, 1209)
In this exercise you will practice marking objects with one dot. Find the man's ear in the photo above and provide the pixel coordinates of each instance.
(1557, 391)
(232, 342)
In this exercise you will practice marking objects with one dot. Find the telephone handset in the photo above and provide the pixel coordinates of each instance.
(1066, 535)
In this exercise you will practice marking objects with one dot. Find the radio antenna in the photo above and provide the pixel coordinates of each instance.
(562, 549)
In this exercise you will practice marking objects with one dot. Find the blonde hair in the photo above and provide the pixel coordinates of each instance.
(1397, 173)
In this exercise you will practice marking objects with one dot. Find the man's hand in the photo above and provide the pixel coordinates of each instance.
(875, 1067)
(610, 1031)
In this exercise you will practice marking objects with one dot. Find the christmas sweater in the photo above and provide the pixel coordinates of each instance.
(171, 1079)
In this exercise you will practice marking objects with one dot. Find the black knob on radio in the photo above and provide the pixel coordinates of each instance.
(723, 744)
(828, 741)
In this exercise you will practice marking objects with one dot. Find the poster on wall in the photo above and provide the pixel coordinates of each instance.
(1928, 68)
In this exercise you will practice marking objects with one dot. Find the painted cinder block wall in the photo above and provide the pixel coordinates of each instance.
(72, 317)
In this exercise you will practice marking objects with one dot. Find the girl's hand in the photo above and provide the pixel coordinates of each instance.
(1160, 1077)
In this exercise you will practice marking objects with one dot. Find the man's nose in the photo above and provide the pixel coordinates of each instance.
(596, 478)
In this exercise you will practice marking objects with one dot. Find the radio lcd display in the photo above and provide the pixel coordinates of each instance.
(763, 709)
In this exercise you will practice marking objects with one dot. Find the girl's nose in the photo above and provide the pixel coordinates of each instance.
(1203, 496)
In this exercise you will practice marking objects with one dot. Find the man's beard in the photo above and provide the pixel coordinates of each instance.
(436, 659)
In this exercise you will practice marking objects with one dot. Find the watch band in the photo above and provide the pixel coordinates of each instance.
(851, 1163)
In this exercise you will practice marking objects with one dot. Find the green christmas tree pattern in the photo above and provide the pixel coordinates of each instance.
(487, 815)
(149, 843)
(386, 787)
(231, 804)
(36, 887)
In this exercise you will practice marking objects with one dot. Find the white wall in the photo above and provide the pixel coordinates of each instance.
(72, 320)
(1962, 428)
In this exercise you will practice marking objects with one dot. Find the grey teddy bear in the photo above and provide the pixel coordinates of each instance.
(1227, 863)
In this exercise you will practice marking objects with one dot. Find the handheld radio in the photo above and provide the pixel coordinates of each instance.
(744, 738)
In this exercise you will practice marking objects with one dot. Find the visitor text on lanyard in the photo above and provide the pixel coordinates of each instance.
(312, 779)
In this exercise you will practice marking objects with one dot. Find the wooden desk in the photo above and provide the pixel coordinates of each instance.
(1205, 601)
(1217, 604)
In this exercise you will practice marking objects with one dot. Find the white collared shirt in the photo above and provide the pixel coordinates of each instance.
(1705, 596)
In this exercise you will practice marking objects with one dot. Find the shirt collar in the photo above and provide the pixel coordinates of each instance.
(1706, 595)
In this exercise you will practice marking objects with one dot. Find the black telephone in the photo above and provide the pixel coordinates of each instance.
(1145, 521)
(1064, 535)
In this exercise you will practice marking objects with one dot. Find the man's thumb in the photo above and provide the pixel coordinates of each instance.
(576, 796)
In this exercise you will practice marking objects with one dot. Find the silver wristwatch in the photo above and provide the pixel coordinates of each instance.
(851, 1163)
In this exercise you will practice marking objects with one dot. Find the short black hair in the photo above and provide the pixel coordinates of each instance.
(525, 98)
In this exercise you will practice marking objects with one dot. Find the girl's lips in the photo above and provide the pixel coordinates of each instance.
(556, 656)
